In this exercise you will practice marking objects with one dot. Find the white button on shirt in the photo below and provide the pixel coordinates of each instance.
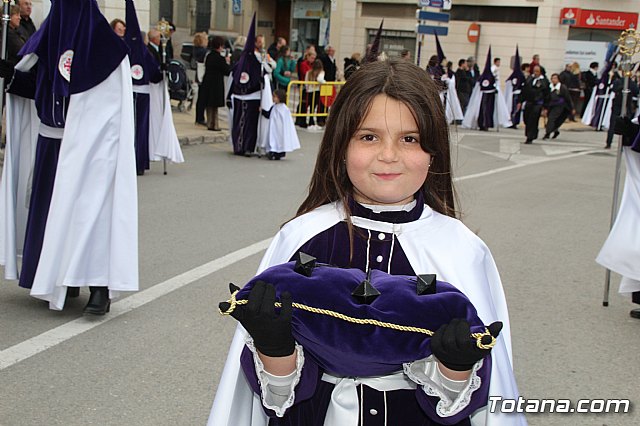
(373, 411)
(379, 259)
(381, 236)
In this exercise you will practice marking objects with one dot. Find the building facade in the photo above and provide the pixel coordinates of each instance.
(536, 26)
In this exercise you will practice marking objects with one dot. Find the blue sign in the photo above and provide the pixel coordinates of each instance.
(236, 7)
(430, 29)
(423, 15)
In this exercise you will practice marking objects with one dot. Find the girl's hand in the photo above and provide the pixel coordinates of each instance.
(454, 347)
(271, 332)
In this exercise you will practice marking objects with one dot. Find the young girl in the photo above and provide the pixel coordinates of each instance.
(281, 136)
(381, 196)
(315, 74)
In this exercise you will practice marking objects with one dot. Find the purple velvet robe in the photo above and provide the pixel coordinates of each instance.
(404, 407)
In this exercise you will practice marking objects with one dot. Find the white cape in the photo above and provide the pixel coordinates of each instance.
(454, 253)
(266, 102)
(282, 133)
(453, 110)
(163, 140)
(91, 237)
(15, 188)
(501, 116)
(621, 250)
(605, 112)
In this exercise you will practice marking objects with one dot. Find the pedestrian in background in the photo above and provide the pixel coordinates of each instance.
(15, 38)
(200, 51)
(27, 27)
(464, 84)
(617, 87)
(285, 69)
(315, 74)
(238, 47)
(216, 68)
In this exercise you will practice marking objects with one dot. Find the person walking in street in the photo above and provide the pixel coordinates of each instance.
(559, 107)
(535, 94)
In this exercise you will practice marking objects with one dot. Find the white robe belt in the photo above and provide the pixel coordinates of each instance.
(344, 407)
(51, 132)
(141, 88)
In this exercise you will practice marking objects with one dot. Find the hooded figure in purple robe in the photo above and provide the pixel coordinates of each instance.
(82, 211)
(487, 83)
(245, 92)
(144, 69)
(513, 89)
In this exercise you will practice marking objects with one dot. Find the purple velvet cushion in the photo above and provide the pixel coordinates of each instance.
(349, 349)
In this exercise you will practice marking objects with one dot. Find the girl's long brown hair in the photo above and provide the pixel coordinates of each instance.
(408, 84)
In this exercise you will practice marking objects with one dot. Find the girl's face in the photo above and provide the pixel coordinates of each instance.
(385, 161)
(119, 29)
(555, 79)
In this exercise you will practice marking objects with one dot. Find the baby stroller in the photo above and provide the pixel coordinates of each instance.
(180, 86)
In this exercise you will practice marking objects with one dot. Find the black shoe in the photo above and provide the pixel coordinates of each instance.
(607, 147)
(214, 129)
(73, 292)
(635, 313)
(514, 126)
(140, 172)
(555, 134)
(247, 154)
(202, 123)
(99, 302)
(528, 141)
(545, 137)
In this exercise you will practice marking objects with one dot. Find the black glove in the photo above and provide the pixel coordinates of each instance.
(163, 67)
(454, 347)
(6, 69)
(229, 104)
(271, 332)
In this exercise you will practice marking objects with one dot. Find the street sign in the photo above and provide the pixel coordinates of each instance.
(430, 29)
(236, 7)
(473, 33)
(432, 3)
(423, 15)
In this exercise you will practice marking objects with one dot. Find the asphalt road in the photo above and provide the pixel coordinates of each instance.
(543, 209)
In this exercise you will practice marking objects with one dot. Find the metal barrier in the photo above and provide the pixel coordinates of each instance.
(311, 96)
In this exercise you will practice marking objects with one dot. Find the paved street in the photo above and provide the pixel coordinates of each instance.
(543, 209)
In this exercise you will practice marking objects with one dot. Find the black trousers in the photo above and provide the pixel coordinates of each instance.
(557, 115)
(531, 120)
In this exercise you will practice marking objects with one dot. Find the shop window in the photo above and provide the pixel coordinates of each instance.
(520, 15)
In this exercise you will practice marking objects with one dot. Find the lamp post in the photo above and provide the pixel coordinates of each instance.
(629, 45)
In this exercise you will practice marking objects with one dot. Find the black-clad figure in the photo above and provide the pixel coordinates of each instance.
(559, 107)
(535, 93)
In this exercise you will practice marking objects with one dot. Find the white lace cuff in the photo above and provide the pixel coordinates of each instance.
(454, 395)
(277, 392)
